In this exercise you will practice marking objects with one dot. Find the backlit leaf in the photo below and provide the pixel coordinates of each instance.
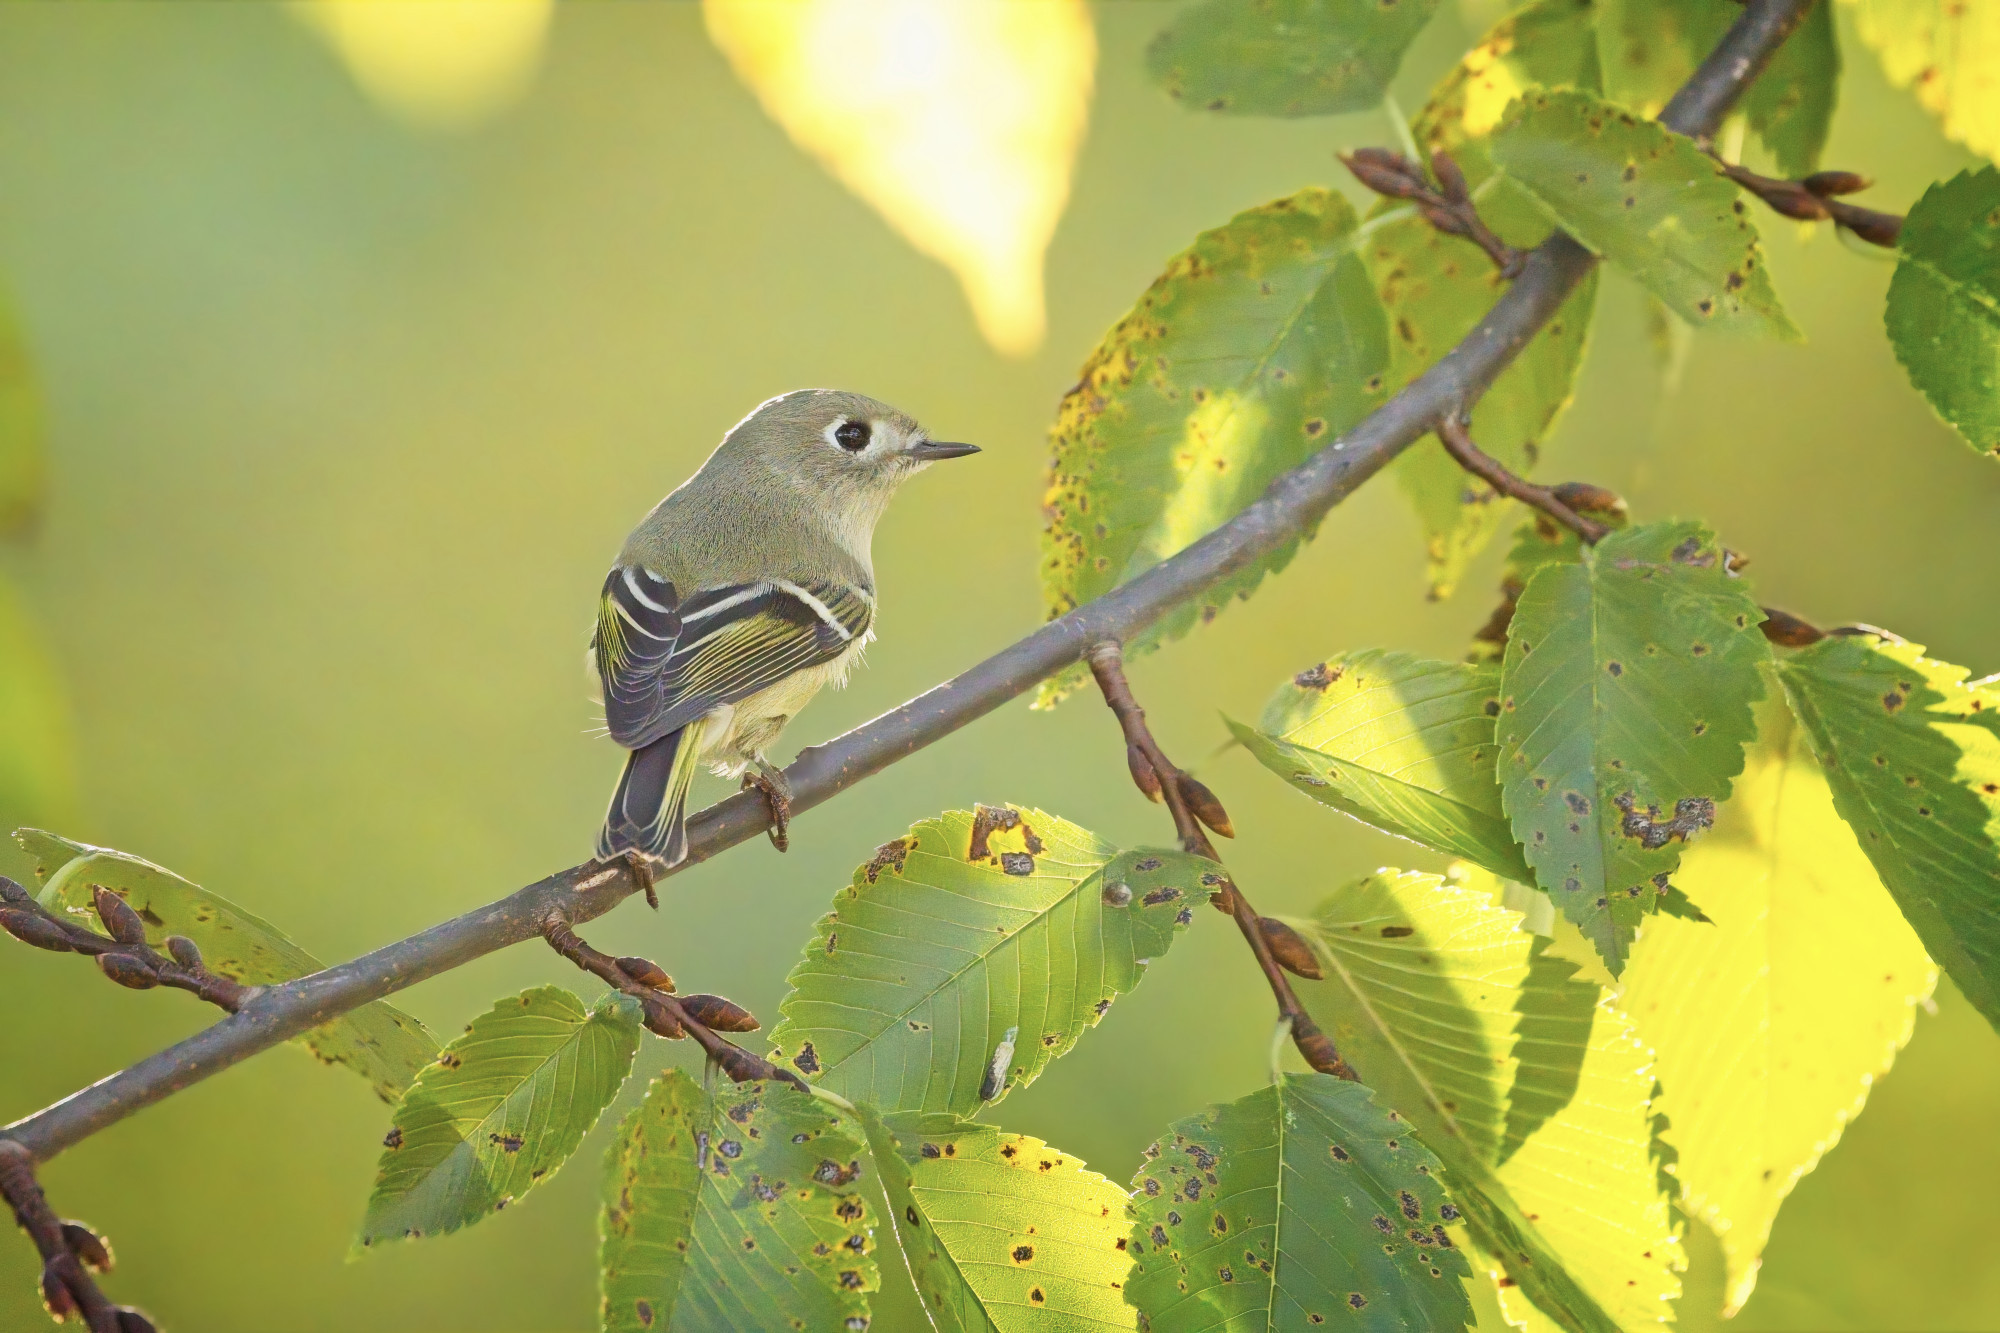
(1285, 57)
(1547, 44)
(1397, 742)
(1944, 303)
(377, 1041)
(499, 1112)
(734, 1208)
(1912, 752)
(1626, 702)
(1584, 1170)
(1300, 1205)
(1945, 52)
(1771, 1024)
(958, 123)
(1258, 346)
(1649, 48)
(1002, 1233)
(983, 941)
(438, 63)
(1649, 201)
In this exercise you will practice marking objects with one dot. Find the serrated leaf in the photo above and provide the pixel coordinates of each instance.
(1285, 57)
(1260, 344)
(1548, 44)
(23, 472)
(1649, 48)
(982, 941)
(1584, 1171)
(1944, 51)
(731, 1209)
(1912, 752)
(377, 1041)
(1771, 1024)
(1001, 1232)
(1649, 201)
(1299, 1205)
(1435, 288)
(1421, 975)
(1943, 313)
(1400, 743)
(500, 1111)
(1626, 702)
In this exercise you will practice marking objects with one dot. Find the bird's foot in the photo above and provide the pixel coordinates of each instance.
(769, 779)
(646, 869)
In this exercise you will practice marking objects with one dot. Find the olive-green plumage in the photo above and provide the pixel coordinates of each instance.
(741, 595)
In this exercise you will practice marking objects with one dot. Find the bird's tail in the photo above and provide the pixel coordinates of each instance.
(649, 809)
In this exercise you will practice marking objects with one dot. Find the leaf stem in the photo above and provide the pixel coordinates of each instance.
(1457, 441)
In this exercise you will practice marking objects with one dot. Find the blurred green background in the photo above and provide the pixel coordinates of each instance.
(346, 421)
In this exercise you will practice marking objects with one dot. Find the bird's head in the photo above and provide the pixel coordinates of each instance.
(843, 449)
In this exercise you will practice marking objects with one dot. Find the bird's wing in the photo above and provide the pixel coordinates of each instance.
(667, 659)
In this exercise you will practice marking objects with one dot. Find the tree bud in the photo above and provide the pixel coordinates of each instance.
(719, 1015)
(647, 973)
(1201, 803)
(1289, 948)
(128, 970)
(118, 916)
(1143, 775)
(31, 927)
(185, 952)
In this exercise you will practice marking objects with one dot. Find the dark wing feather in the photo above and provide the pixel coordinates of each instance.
(666, 660)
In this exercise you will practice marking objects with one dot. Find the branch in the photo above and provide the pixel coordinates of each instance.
(70, 1251)
(1447, 206)
(1157, 776)
(123, 955)
(1293, 504)
(1815, 199)
(1458, 443)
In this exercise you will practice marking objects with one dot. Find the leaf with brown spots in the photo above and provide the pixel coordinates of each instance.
(941, 956)
(1920, 785)
(377, 1041)
(1945, 54)
(1293, 1202)
(1943, 313)
(1649, 201)
(742, 1206)
(1285, 57)
(1626, 696)
(995, 1220)
(1256, 348)
(1400, 743)
(500, 1112)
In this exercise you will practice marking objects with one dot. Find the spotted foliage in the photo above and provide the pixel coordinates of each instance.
(1285, 57)
(738, 1207)
(1944, 52)
(955, 968)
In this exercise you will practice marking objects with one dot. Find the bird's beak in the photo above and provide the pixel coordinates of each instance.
(930, 451)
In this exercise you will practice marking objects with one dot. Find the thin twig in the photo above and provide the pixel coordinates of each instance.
(1458, 443)
(667, 1014)
(70, 1251)
(1293, 504)
(123, 955)
(1816, 199)
(1448, 205)
(1153, 772)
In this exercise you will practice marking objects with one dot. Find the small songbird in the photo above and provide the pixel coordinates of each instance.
(741, 594)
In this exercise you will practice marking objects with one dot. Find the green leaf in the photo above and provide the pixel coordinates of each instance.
(734, 1209)
(1945, 54)
(1943, 314)
(1285, 57)
(37, 748)
(1421, 974)
(1648, 200)
(23, 473)
(1548, 44)
(983, 941)
(1397, 742)
(1649, 48)
(1300, 1205)
(1258, 346)
(500, 1111)
(377, 1041)
(1626, 702)
(1912, 753)
(1584, 1169)
(1002, 1232)
(1771, 1024)
(1435, 288)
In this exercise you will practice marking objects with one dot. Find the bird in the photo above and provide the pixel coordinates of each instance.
(740, 596)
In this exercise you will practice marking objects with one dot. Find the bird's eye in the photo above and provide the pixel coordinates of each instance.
(852, 436)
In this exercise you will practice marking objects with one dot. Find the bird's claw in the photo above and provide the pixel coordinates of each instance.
(777, 789)
(646, 872)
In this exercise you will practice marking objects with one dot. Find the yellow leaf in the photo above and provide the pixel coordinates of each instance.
(1772, 1023)
(1947, 52)
(958, 122)
(438, 63)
